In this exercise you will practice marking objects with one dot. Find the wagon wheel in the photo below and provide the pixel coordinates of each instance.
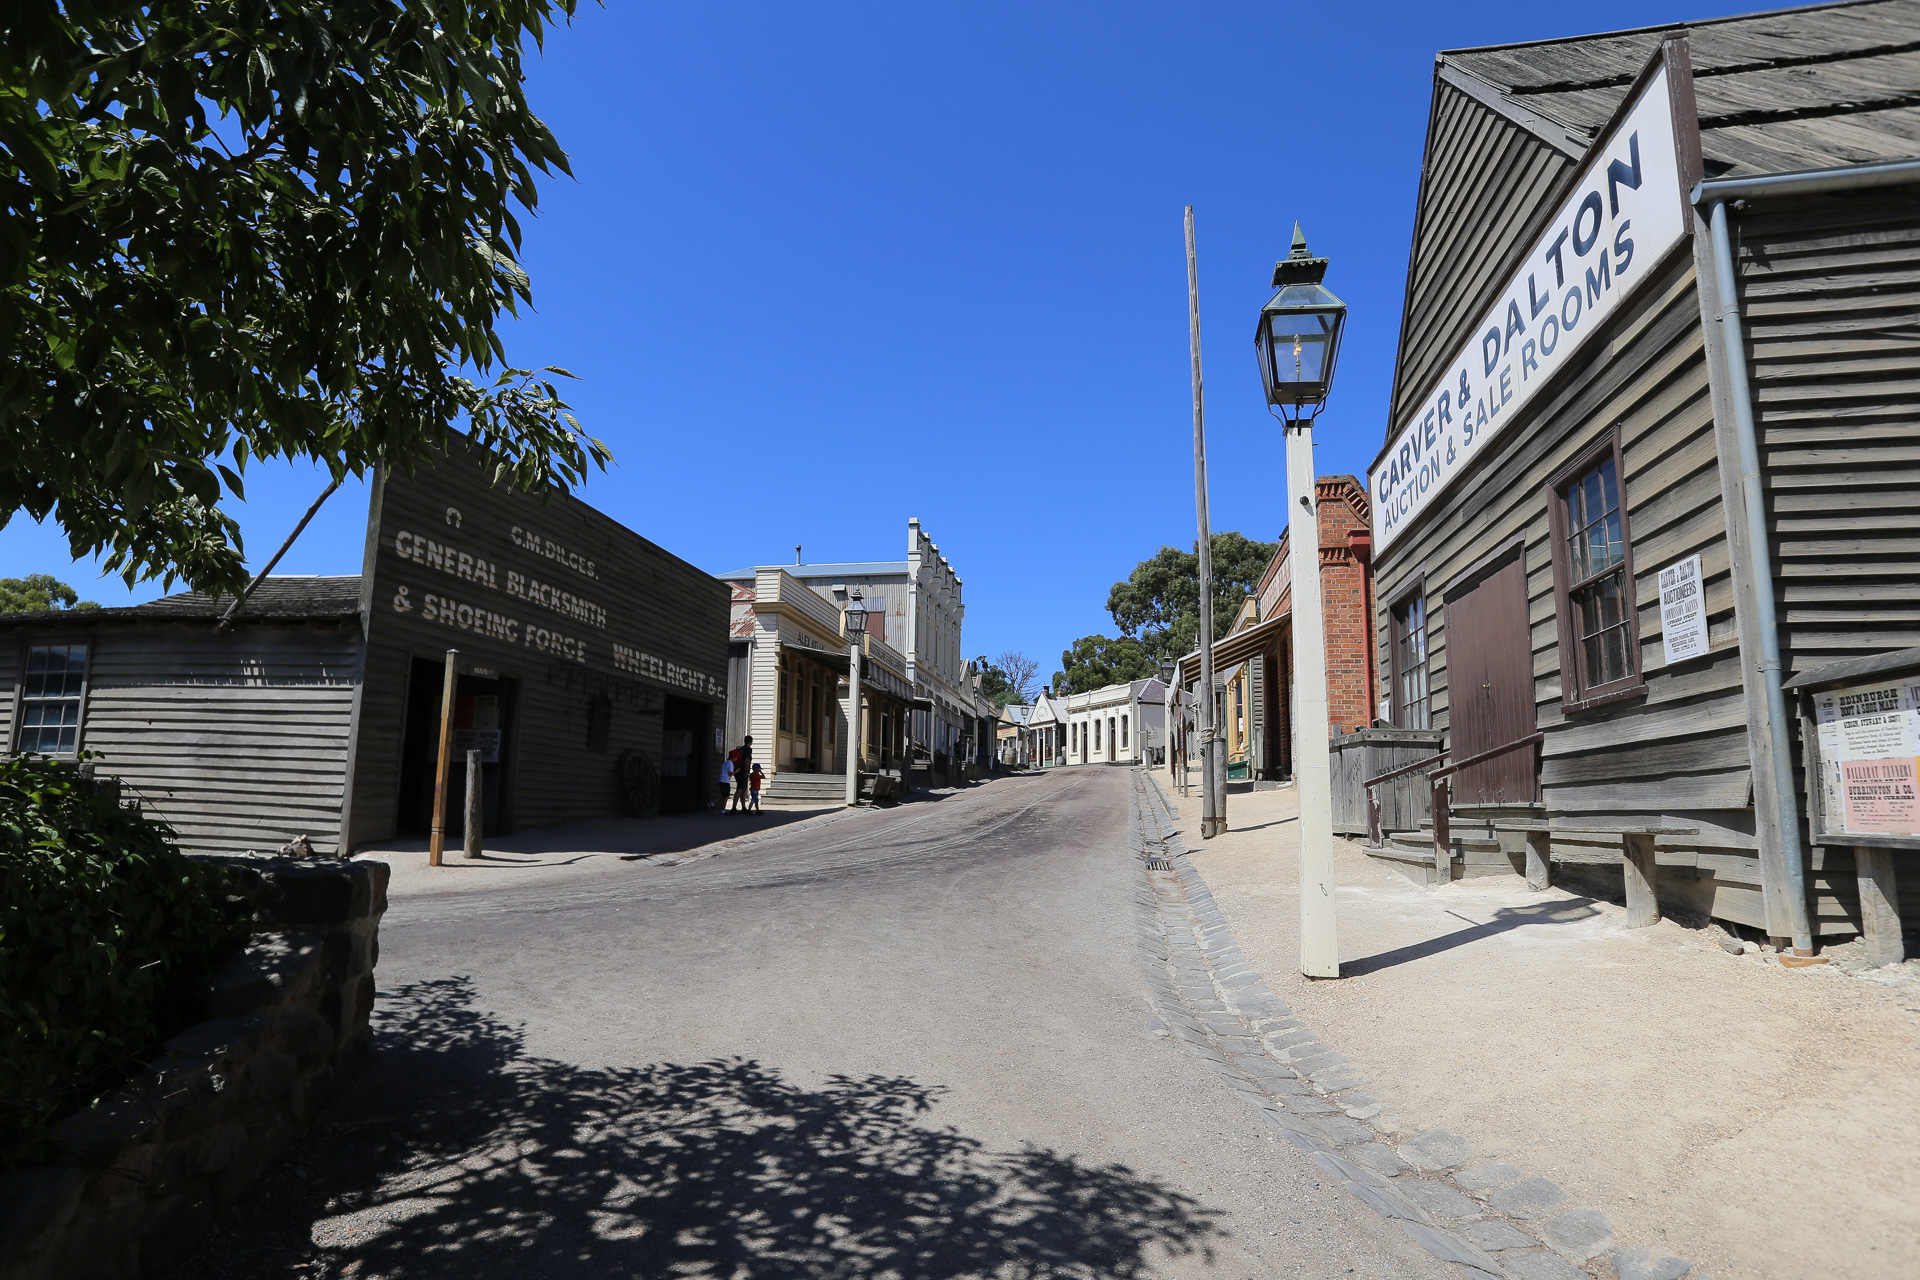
(640, 783)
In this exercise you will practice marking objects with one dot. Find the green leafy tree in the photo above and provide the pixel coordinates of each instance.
(38, 593)
(1096, 661)
(232, 230)
(1159, 603)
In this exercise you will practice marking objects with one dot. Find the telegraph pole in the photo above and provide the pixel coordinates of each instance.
(1213, 809)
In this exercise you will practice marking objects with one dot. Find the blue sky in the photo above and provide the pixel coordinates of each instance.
(827, 266)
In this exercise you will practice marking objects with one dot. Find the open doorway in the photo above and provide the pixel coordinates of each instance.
(686, 760)
(483, 713)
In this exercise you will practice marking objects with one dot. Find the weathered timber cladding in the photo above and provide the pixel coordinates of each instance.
(1678, 754)
(560, 604)
(241, 745)
(1505, 175)
(10, 655)
(1830, 291)
(238, 740)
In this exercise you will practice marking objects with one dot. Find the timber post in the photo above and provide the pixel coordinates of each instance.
(1539, 860)
(470, 833)
(1879, 906)
(438, 842)
(1637, 867)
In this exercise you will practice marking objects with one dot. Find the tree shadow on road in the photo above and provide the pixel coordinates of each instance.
(458, 1154)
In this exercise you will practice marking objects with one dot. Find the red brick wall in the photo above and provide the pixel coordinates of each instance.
(1346, 585)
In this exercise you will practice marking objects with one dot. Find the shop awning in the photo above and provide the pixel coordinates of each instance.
(1258, 638)
(832, 661)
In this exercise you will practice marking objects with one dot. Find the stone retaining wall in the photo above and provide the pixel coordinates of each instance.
(149, 1165)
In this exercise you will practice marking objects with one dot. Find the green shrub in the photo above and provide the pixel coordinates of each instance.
(107, 933)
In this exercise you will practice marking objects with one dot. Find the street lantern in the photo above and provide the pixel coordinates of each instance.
(1299, 335)
(1298, 342)
(856, 616)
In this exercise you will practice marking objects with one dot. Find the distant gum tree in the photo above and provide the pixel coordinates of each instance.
(232, 230)
(39, 593)
(1159, 603)
(1097, 661)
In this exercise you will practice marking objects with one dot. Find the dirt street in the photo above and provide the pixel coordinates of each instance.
(1761, 1122)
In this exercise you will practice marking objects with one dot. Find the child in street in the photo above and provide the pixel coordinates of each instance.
(754, 780)
(726, 782)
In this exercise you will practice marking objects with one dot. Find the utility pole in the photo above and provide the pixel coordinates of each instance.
(1213, 809)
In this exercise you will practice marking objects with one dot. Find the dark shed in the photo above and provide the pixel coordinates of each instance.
(588, 656)
(1537, 501)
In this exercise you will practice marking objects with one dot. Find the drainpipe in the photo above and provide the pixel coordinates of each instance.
(1714, 197)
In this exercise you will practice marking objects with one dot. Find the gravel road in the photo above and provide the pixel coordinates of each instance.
(910, 1043)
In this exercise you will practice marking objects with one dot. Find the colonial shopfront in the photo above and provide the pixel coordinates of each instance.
(797, 662)
(1252, 662)
(589, 673)
(1651, 446)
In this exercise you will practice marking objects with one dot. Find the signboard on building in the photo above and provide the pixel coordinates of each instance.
(1618, 222)
(1870, 757)
(1683, 611)
(583, 648)
(522, 585)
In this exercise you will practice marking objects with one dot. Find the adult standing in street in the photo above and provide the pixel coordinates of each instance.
(742, 767)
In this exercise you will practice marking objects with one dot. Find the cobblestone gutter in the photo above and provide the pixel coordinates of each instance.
(149, 1165)
(1489, 1219)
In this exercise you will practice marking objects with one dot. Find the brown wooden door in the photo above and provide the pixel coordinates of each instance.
(1490, 683)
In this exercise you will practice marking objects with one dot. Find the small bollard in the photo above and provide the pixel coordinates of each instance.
(472, 832)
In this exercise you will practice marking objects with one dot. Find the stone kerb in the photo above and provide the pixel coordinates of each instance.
(147, 1166)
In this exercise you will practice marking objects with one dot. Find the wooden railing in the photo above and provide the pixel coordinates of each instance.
(1442, 830)
(1373, 797)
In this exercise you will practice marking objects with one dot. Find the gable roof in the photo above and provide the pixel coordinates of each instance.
(1782, 90)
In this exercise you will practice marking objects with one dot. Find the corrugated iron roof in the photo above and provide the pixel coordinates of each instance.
(1782, 90)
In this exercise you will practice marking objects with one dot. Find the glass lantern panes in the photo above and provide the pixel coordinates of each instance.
(50, 699)
(1300, 344)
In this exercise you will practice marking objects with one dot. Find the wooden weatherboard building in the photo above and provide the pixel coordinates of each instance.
(591, 675)
(1563, 539)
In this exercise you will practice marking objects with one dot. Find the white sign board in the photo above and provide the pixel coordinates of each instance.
(1683, 611)
(1621, 219)
(1870, 758)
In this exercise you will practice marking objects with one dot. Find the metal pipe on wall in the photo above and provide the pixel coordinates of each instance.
(1716, 195)
(1779, 727)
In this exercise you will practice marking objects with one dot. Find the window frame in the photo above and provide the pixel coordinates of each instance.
(17, 722)
(1575, 693)
(1414, 584)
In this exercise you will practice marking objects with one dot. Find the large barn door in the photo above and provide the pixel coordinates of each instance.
(1490, 682)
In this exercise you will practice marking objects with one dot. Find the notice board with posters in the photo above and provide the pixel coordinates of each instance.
(1860, 728)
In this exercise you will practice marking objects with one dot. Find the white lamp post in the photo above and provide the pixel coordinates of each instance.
(1297, 342)
(856, 627)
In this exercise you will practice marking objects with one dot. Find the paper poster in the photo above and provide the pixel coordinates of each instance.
(1880, 796)
(1683, 611)
(1870, 744)
(485, 741)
